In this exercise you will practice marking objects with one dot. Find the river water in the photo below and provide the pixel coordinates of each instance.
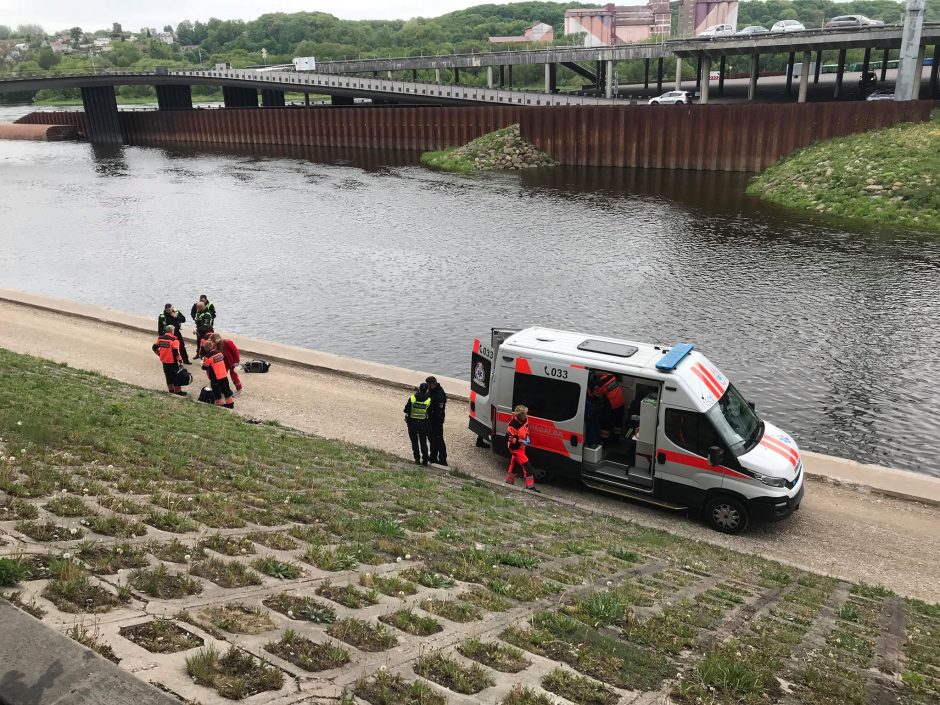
(832, 330)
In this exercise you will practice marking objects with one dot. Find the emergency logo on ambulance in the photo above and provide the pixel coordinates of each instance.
(479, 374)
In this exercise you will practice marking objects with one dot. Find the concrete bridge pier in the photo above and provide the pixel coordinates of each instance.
(935, 72)
(721, 75)
(755, 69)
(840, 74)
(911, 64)
(659, 75)
(705, 67)
(866, 61)
(551, 78)
(804, 77)
(921, 55)
(609, 80)
(101, 115)
(456, 75)
(678, 74)
(306, 99)
(239, 97)
(489, 76)
(509, 77)
(884, 63)
(437, 76)
(818, 66)
(502, 76)
(646, 74)
(174, 97)
(272, 98)
(791, 59)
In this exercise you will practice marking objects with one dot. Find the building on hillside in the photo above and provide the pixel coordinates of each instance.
(60, 46)
(611, 25)
(102, 42)
(697, 15)
(534, 34)
(165, 37)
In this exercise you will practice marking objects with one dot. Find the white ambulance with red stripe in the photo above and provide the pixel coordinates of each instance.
(689, 439)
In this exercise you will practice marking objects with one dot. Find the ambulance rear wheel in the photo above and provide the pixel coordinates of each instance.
(541, 474)
(726, 514)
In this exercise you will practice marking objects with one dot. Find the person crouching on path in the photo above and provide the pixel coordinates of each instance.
(167, 348)
(204, 338)
(214, 365)
(517, 438)
(417, 410)
(172, 317)
(232, 358)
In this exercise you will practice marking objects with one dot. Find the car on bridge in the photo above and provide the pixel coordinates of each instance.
(852, 22)
(717, 30)
(881, 94)
(671, 98)
(751, 30)
(788, 26)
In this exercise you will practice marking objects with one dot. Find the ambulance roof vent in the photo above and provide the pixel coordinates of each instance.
(605, 347)
(544, 339)
(674, 356)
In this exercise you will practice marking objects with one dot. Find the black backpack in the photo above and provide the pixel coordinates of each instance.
(256, 366)
(184, 377)
(206, 395)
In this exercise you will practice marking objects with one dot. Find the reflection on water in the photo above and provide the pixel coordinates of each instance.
(831, 332)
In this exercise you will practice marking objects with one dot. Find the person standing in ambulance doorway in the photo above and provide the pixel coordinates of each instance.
(605, 390)
(417, 412)
(214, 365)
(172, 317)
(167, 348)
(517, 438)
(438, 407)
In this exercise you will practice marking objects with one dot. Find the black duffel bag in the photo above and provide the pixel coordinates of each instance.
(256, 366)
(184, 377)
(206, 395)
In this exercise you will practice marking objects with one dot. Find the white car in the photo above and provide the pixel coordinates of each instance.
(788, 26)
(717, 30)
(671, 98)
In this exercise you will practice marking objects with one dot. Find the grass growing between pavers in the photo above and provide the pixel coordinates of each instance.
(234, 674)
(161, 636)
(617, 604)
(447, 671)
(385, 688)
(307, 654)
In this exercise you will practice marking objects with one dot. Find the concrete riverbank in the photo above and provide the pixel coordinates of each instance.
(860, 533)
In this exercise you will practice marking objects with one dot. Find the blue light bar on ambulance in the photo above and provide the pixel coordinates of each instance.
(672, 358)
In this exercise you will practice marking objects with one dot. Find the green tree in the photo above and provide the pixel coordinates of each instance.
(76, 34)
(47, 58)
(124, 54)
(117, 30)
(5, 32)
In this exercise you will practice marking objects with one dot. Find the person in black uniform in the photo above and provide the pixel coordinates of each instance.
(417, 411)
(172, 317)
(438, 406)
(209, 306)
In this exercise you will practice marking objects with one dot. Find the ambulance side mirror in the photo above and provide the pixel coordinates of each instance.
(751, 404)
(715, 456)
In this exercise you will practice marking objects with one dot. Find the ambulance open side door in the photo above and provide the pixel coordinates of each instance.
(556, 394)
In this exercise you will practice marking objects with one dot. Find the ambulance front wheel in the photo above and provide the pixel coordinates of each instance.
(726, 514)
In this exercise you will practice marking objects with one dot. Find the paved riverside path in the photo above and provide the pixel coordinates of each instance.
(846, 532)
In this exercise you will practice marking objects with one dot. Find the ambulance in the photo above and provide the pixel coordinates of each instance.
(688, 438)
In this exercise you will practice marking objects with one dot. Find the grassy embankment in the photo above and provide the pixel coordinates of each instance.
(502, 149)
(105, 477)
(889, 176)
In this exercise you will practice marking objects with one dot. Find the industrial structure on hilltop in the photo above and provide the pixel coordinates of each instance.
(612, 25)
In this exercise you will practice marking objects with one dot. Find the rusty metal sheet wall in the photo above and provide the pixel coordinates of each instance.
(699, 137)
(702, 137)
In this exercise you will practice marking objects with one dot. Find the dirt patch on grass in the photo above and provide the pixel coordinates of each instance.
(237, 618)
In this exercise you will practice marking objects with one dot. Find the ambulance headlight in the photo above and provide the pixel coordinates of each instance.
(771, 481)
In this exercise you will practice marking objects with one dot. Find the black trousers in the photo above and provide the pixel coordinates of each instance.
(169, 371)
(418, 432)
(221, 391)
(183, 352)
(438, 447)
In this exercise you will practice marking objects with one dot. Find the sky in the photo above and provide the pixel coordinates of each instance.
(99, 14)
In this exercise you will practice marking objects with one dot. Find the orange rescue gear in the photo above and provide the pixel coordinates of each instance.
(215, 365)
(517, 433)
(608, 386)
(167, 348)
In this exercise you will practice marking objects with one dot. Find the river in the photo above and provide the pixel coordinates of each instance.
(832, 330)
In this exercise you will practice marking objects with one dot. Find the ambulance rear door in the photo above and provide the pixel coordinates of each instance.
(482, 381)
(556, 393)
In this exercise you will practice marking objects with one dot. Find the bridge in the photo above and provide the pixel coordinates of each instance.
(600, 60)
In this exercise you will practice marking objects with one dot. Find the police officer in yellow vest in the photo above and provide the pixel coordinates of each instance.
(417, 414)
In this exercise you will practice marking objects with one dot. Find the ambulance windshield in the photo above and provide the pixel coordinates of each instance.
(736, 422)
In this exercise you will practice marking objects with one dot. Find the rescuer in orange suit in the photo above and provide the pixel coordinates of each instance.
(214, 365)
(167, 348)
(517, 438)
(604, 388)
